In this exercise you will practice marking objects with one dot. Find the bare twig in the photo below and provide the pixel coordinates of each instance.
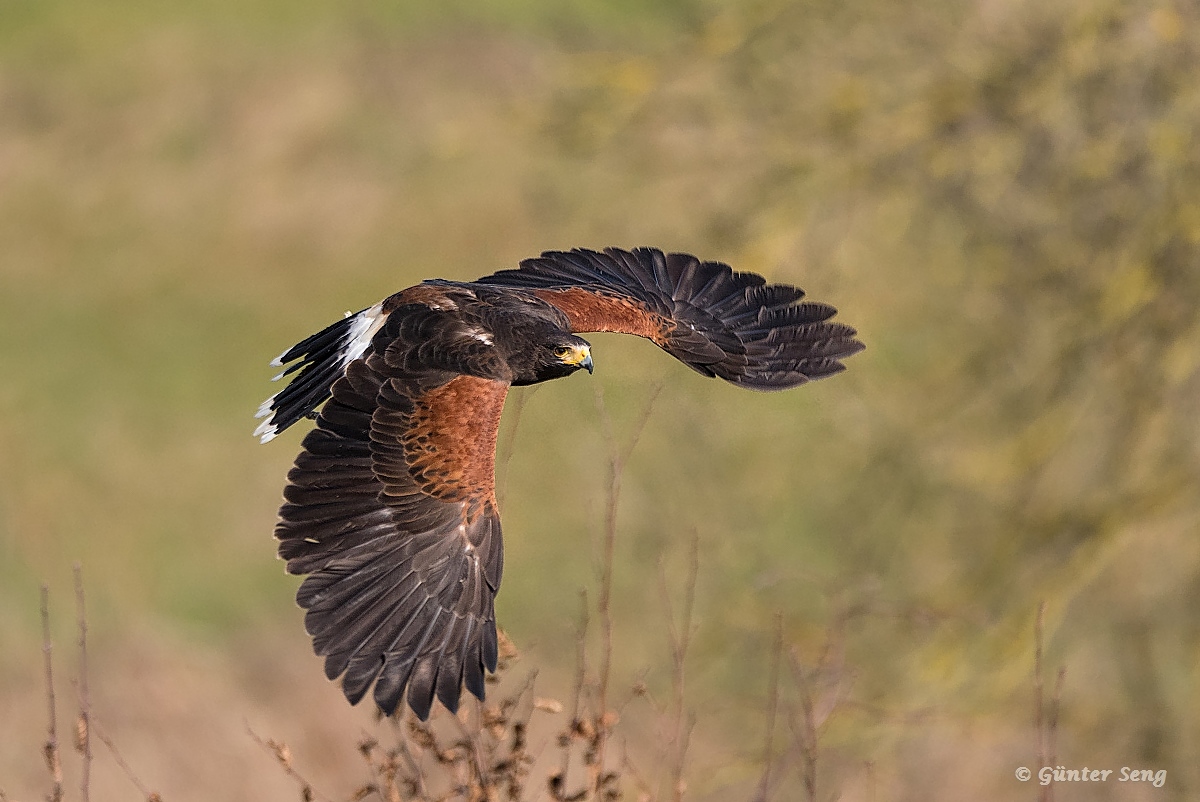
(507, 447)
(1038, 701)
(617, 459)
(764, 785)
(1052, 724)
(644, 791)
(83, 739)
(50, 749)
(805, 730)
(603, 603)
(147, 794)
(471, 738)
(680, 636)
(1051, 738)
(574, 728)
(283, 756)
(1045, 716)
(1045, 792)
(403, 749)
(487, 759)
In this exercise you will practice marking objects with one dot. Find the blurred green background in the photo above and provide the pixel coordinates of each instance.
(1004, 197)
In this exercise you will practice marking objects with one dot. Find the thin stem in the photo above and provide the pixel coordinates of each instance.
(680, 636)
(283, 756)
(806, 731)
(83, 734)
(133, 778)
(50, 749)
(1052, 724)
(1039, 703)
(471, 737)
(577, 695)
(617, 459)
(764, 785)
(508, 446)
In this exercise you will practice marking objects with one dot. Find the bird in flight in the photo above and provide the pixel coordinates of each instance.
(390, 509)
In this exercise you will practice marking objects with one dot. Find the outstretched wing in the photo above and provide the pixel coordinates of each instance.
(390, 510)
(716, 321)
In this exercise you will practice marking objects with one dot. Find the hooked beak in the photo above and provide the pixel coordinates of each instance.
(580, 356)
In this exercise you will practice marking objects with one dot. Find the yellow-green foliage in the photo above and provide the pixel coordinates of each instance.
(1003, 197)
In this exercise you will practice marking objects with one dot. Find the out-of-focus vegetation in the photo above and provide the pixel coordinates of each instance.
(1003, 197)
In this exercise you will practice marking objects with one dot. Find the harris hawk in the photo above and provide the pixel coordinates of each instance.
(390, 508)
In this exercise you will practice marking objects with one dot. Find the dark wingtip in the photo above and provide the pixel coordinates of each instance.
(491, 649)
(420, 694)
(473, 678)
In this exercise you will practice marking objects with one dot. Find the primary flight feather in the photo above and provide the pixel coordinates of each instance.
(390, 508)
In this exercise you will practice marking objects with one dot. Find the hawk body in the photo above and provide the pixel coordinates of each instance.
(390, 508)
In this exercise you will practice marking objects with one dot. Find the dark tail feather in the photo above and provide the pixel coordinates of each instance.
(320, 360)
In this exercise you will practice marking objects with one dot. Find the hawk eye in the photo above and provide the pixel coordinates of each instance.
(562, 351)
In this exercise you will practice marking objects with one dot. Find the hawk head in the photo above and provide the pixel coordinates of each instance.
(551, 357)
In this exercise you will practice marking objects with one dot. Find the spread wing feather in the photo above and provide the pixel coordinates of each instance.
(717, 321)
(402, 566)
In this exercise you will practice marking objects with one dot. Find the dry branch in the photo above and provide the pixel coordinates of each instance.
(283, 756)
(680, 637)
(50, 749)
(146, 793)
(602, 720)
(83, 739)
(1045, 717)
(764, 785)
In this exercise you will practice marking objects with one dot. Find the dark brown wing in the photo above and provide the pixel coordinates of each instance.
(390, 509)
(721, 323)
